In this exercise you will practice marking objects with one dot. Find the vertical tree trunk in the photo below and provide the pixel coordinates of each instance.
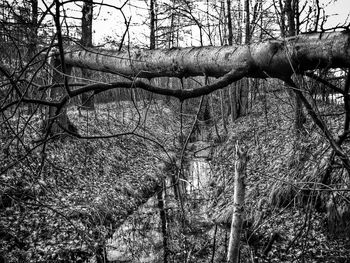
(33, 34)
(239, 96)
(282, 23)
(162, 212)
(229, 23)
(245, 81)
(32, 43)
(152, 37)
(300, 118)
(291, 9)
(238, 93)
(247, 21)
(232, 94)
(223, 111)
(205, 114)
(244, 96)
(238, 205)
(231, 88)
(290, 12)
(239, 22)
(58, 117)
(297, 16)
(87, 99)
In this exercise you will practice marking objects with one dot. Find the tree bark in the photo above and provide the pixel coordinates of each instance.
(229, 23)
(152, 44)
(238, 205)
(244, 96)
(271, 58)
(299, 116)
(87, 99)
(58, 117)
(223, 111)
(244, 92)
(247, 21)
(232, 94)
(32, 44)
(291, 11)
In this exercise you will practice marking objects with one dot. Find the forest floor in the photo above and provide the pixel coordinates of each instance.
(87, 186)
(283, 185)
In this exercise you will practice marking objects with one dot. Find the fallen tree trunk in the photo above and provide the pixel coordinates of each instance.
(271, 58)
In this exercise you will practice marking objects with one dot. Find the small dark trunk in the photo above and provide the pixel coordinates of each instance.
(300, 118)
(152, 25)
(244, 96)
(58, 117)
(291, 10)
(247, 21)
(229, 23)
(234, 110)
(32, 43)
(87, 99)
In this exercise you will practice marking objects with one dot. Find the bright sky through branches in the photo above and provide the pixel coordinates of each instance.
(110, 25)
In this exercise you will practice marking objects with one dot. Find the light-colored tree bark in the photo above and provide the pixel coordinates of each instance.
(271, 58)
(238, 205)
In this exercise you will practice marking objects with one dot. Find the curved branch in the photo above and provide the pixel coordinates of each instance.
(181, 94)
(31, 101)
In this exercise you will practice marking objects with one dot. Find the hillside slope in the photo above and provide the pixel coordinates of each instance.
(286, 202)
